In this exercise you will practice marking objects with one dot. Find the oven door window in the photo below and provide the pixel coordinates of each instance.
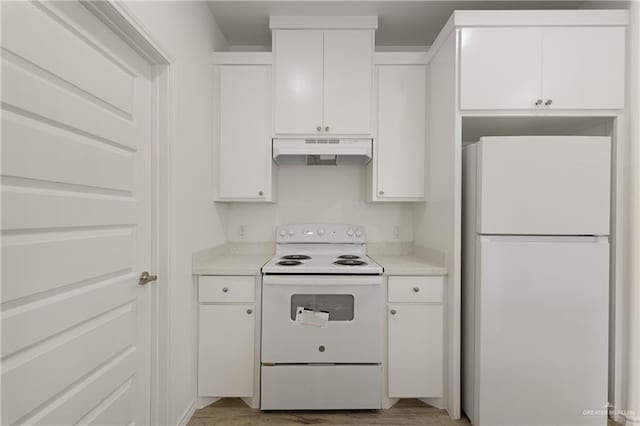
(339, 306)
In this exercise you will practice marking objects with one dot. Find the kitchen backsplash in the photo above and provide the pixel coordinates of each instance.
(334, 194)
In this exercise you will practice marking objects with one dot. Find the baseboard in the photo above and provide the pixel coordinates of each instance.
(435, 402)
(186, 415)
(387, 403)
(203, 401)
(629, 420)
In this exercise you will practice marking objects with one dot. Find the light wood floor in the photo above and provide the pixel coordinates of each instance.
(234, 412)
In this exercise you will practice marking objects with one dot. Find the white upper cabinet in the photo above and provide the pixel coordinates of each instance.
(542, 68)
(244, 154)
(500, 68)
(400, 141)
(298, 81)
(323, 82)
(584, 67)
(348, 76)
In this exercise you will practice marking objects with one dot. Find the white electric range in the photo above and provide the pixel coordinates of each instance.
(322, 319)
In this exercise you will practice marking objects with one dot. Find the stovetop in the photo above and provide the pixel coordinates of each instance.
(323, 264)
(321, 249)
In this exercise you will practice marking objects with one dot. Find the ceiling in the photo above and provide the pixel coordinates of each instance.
(400, 23)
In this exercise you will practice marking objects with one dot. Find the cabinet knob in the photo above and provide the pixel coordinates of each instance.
(549, 102)
(319, 128)
(380, 192)
(249, 311)
(416, 289)
(393, 312)
(225, 289)
(539, 102)
(260, 193)
(321, 348)
(326, 129)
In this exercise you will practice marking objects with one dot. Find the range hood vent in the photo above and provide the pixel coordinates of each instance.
(322, 152)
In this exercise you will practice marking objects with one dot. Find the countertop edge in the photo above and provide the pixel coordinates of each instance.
(247, 259)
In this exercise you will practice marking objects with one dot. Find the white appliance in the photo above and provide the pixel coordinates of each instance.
(536, 280)
(321, 321)
(322, 151)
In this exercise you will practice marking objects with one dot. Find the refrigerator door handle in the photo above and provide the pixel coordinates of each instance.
(547, 238)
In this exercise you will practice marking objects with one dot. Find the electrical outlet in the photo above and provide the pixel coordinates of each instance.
(396, 232)
(241, 232)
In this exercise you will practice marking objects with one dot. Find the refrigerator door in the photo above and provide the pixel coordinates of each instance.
(544, 185)
(542, 327)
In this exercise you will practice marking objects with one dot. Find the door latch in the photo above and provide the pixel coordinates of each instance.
(146, 278)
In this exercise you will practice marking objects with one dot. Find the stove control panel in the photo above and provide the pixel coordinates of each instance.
(320, 233)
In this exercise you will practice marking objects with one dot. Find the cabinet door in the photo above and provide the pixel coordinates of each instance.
(226, 350)
(500, 68)
(298, 81)
(584, 67)
(401, 134)
(415, 351)
(348, 81)
(244, 156)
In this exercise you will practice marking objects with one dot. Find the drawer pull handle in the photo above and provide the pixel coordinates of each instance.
(249, 311)
(225, 289)
(416, 289)
(393, 312)
(321, 348)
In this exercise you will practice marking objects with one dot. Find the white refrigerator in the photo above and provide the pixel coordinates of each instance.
(535, 289)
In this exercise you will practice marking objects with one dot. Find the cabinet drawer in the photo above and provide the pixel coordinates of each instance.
(415, 289)
(226, 289)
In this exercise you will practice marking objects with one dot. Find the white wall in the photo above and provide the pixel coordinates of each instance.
(320, 194)
(188, 32)
(631, 371)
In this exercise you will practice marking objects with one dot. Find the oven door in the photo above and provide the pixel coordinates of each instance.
(353, 333)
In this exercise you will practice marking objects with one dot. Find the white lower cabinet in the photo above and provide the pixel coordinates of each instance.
(415, 338)
(226, 355)
(226, 337)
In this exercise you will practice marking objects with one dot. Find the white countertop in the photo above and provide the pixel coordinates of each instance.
(408, 265)
(232, 264)
(232, 259)
(248, 259)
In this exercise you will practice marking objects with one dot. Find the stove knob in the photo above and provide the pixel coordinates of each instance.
(291, 232)
(350, 232)
(320, 231)
(358, 233)
(283, 232)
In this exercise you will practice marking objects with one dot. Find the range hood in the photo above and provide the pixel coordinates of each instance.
(316, 152)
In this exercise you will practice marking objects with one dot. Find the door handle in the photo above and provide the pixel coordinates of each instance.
(146, 278)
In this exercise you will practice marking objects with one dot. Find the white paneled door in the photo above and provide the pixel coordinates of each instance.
(76, 173)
